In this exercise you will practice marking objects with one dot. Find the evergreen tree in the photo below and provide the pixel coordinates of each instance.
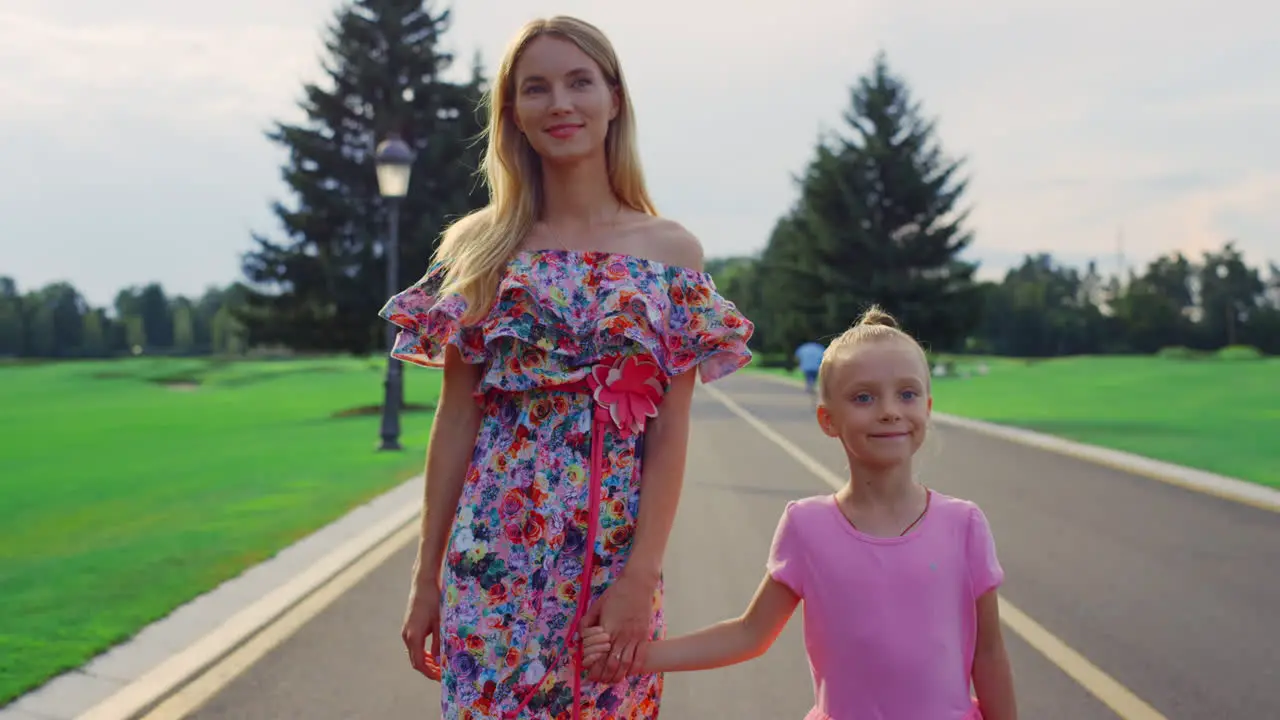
(95, 333)
(135, 334)
(228, 333)
(1230, 293)
(877, 222)
(42, 331)
(13, 326)
(205, 308)
(320, 289)
(791, 293)
(738, 277)
(184, 331)
(157, 317)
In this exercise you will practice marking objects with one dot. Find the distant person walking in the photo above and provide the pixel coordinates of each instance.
(809, 355)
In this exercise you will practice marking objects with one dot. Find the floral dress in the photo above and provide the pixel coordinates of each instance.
(578, 349)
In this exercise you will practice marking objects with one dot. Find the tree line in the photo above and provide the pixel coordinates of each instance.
(880, 217)
(1174, 305)
(56, 321)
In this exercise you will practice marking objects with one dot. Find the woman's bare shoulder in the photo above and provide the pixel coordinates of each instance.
(666, 241)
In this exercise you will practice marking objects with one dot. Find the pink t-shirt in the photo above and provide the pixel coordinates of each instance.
(889, 623)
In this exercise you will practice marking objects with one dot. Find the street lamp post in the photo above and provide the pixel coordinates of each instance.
(394, 160)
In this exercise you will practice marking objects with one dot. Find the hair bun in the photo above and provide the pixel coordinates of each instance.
(875, 315)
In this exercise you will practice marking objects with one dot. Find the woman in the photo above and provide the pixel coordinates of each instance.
(569, 320)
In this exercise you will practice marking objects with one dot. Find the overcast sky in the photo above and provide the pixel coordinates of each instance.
(131, 146)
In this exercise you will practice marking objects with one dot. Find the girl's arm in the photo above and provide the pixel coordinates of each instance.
(992, 675)
(452, 442)
(726, 643)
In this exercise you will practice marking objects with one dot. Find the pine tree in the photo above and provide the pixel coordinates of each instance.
(184, 331)
(95, 333)
(157, 316)
(322, 287)
(13, 326)
(877, 222)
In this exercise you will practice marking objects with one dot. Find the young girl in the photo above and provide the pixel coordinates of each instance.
(570, 321)
(898, 580)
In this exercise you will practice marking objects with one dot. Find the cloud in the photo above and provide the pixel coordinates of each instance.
(87, 82)
(1078, 118)
(1202, 220)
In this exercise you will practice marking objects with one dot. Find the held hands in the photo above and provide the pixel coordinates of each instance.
(595, 648)
(618, 628)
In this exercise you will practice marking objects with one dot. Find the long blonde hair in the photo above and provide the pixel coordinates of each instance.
(476, 248)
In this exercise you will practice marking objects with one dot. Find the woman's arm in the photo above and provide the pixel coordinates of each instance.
(666, 444)
(626, 606)
(726, 643)
(625, 609)
(992, 675)
(453, 440)
(666, 439)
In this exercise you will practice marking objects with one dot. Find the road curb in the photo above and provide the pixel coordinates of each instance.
(1221, 486)
(89, 694)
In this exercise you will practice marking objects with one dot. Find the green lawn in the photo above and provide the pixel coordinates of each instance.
(1211, 414)
(123, 496)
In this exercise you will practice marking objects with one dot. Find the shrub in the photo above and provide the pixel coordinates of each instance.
(1239, 352)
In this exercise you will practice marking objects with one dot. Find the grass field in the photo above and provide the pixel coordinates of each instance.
(132, 486)
(1216, 415)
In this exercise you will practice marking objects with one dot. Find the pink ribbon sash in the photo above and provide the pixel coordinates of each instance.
(627, 392)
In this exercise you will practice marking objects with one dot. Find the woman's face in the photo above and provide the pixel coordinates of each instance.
(563, 104)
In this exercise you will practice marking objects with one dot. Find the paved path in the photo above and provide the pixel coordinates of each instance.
(1171, 593)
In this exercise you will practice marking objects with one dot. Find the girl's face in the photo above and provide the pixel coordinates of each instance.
(563, 104)
(877, 402)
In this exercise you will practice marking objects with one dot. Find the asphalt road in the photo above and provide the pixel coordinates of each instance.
(1172, 593)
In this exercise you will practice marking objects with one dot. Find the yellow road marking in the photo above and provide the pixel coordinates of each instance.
(1099, 684)
(194, 695)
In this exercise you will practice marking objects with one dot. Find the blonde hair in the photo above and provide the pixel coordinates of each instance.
(476, 248)
(875, 325)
